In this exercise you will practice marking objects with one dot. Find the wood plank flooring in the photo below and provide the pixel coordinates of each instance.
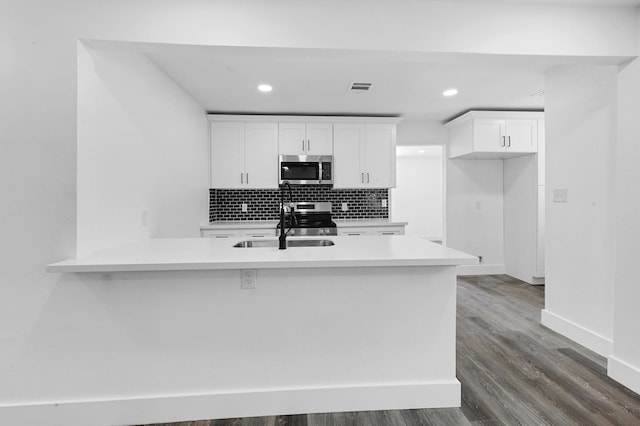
(513, 371)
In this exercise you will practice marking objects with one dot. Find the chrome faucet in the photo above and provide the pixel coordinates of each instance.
(283, 234)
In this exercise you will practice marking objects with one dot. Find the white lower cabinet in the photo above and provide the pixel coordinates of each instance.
(239, 232)
(372, 230)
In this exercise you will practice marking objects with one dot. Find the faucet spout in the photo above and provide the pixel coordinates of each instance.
(282, 240)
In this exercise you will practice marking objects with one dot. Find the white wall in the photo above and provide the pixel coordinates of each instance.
(142, 153)
(40, 314)
(421, 132)
(418, 195)
(475, 212)
(581, 123)
(624, 364)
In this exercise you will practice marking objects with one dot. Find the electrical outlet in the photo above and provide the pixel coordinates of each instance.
(245, 207)
(560, 195)
(249, 278)
(384, 203)
(345, 207)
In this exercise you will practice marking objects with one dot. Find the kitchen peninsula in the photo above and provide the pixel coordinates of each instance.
(364, 324)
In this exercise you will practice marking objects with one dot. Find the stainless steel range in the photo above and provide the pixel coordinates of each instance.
(312, 219)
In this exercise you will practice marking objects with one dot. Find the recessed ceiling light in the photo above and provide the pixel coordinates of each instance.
(265, 88)
(421, 151)
(450, 92)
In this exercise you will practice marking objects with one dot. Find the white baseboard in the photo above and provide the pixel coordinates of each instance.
(577, 333)
(624, 373)
(483, 269)
(173, 408)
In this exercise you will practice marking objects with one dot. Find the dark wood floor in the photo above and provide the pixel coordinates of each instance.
(513, 371)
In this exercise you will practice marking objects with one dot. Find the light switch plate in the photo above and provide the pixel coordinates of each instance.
(345, 207)
(560, 195)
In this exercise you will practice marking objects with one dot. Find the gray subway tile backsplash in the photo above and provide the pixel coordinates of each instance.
(263, 204)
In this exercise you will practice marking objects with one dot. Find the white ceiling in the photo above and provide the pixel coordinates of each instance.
(315, 81)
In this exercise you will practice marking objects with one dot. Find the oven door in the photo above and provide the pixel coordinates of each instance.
(300, 169)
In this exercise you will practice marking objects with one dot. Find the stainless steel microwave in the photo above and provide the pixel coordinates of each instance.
(306, 169)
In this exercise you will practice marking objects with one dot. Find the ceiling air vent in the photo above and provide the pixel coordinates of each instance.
(356, 87)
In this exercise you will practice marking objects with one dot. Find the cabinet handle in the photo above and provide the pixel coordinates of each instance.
(302, 145)
(247, 177)
(509, 141)
(361, 177)
(367, 177)
(503, 141)
(241, 177)
(308, 145)
(388, 233)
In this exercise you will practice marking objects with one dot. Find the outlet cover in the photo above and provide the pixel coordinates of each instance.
(249, 278)
(244, 207)
(560, 195)
(345, 207)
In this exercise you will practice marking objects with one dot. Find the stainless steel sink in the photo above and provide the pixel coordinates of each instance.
(290, 243)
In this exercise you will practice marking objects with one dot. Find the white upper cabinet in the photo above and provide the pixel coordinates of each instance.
(244, 155)
(245, 148)
(348, 155)
(489, 134)
(305, 138)
(364, 155)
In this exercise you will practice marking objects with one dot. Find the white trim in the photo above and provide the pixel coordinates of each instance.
(498, 115)
(624, 373)
(587, 338)
(304, 118)
(488, 269)
(251, 403)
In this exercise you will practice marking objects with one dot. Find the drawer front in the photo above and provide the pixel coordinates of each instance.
(258, 233)
(377, 230)
(220, 233)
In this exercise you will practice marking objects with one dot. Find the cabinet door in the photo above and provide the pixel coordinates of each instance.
(522, 135)
(261, 155)
(292, 139)
(227, 155)
(489, 135)
(348, 155)
(380, 156)
(319, 139)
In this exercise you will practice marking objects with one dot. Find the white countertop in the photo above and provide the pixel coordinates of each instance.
(241, 224)
(256, 224)
(183, 254)
(352, 223)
